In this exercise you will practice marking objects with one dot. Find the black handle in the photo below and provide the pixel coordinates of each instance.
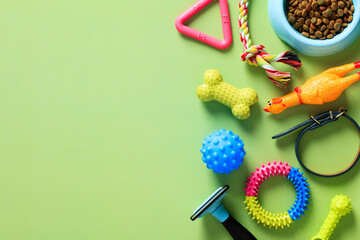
(236, 230)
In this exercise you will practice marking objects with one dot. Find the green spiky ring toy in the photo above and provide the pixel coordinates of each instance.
(285, 218)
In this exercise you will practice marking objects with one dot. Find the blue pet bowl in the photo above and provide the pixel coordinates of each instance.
(312, 47)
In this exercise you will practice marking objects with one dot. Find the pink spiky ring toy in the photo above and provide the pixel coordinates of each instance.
(282, 219)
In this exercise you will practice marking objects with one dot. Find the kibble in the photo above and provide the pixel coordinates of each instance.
(291, 19)
(341, 4)
(318, 34)
(304, 13)
(314, 5)
(334, 7)
(337, 26)
(340, 12)
(308, 7)
(297, 26)
(320, 19)
(327, 13)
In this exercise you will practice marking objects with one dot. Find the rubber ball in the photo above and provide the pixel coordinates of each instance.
(223, 151)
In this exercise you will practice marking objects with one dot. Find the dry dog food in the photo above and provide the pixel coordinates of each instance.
(320, 19)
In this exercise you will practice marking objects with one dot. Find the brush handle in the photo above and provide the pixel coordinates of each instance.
(236, 230)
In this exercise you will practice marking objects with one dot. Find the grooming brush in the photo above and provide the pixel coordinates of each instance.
(214, 206)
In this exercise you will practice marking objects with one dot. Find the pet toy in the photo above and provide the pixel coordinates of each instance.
(322, 88)
(339, 207)
(214, 206)
(282, 219)
(223, 151)
(314, 123)
(224, 11)
(239, 100)
(256, 54)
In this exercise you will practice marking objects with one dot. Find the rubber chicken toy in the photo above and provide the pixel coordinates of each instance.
(322, 88)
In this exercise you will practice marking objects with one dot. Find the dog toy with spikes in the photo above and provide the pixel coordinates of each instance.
(286, 218)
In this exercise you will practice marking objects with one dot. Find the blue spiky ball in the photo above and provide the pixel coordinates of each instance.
(223, 151)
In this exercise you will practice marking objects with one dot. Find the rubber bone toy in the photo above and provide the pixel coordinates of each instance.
(324, 87)
(339, 207)
(239, 100)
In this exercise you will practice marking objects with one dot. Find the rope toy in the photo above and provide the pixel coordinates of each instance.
(256, 54)
(287, 217)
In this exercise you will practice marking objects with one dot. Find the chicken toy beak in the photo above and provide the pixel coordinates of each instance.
(266, 109)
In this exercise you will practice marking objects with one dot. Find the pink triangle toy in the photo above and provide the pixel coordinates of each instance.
(224, 11)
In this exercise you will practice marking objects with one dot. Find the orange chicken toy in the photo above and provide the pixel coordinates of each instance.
(324, 87)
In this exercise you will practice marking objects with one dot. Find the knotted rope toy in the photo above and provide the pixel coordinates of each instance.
(256, 54)
(265, 172)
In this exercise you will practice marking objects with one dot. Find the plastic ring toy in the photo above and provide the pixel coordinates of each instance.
(301, 188)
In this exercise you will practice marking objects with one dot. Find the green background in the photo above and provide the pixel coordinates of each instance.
(101, 128)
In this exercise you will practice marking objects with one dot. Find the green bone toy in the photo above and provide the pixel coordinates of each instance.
(339, 207)
(239, 100)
